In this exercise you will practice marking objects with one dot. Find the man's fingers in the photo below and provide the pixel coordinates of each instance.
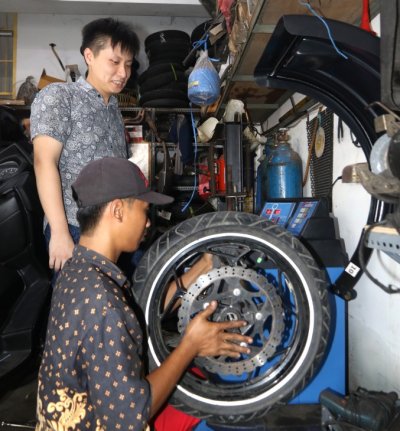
(234, 350)
(210, 309)
(233, 324)
(56, 264)
(237, 338)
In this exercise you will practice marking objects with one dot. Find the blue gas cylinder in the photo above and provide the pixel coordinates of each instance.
(284, 170)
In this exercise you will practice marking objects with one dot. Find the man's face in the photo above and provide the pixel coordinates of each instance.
(136, 223)
(109, 69)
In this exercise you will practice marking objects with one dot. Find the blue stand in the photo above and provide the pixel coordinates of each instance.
(332, 374)
(310, 220)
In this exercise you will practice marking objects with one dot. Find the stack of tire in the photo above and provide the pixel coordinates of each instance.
(164, 83)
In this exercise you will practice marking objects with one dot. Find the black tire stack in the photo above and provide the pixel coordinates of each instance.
(164, 83)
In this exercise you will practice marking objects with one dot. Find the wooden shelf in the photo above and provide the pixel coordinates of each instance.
(239, 82)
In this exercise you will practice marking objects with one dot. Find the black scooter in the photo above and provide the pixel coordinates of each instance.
(24, 275)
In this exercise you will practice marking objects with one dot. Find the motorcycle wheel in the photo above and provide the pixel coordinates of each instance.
(262, 274)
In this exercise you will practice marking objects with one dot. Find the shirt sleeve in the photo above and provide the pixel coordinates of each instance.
(111, 362)
(51, 113)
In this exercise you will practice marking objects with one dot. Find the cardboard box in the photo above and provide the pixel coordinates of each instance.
(47, 79)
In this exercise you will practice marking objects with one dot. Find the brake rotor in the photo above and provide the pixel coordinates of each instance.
(242, 294)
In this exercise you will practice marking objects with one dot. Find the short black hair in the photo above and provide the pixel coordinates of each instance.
(88, 217)
(97, 33)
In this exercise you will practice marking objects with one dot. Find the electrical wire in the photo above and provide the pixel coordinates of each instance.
(388, 289)
(309, 7)
(337, 179)
(194, 162)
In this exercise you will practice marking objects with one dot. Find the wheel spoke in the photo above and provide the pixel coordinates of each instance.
(175, 298)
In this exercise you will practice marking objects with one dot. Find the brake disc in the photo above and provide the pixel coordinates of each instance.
(242, 294)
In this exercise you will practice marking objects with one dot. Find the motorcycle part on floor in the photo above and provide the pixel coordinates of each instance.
(361, 410)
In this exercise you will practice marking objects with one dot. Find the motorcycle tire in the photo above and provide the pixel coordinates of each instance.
(156, 49)
(157, 69)
(163, 79)
(166, 36)
(262, 274)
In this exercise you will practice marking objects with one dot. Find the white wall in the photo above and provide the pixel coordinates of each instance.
(373, 317)
(36, 32)
(374, 321)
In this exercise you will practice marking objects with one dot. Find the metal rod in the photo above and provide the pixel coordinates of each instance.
(52, 46)
(13, 425)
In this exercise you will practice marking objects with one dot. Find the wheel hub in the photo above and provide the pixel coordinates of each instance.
(242, 294)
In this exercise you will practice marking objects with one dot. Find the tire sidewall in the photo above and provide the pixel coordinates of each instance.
(190, 234)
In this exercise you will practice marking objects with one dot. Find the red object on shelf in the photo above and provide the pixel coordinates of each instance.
(225, 7)
(220, 174)
(365, 20)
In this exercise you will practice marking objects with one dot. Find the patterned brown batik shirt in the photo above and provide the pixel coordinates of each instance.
(91, 376)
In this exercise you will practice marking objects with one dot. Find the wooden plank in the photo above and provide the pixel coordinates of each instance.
(253, 93)
(343, 10)
(268, 13)
(251, 56)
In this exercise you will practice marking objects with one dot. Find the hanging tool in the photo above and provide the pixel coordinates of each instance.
(312, 143)
(340, 130)
(71, 70)
(52, 46)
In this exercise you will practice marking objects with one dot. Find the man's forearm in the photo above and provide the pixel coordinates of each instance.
(202, 266)
(164, 379)
(49, 188)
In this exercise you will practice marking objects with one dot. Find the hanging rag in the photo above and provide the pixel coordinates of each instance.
(181, 133)
(225, 7)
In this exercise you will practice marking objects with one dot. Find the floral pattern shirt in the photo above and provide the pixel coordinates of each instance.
(76, 115)
(91, 376)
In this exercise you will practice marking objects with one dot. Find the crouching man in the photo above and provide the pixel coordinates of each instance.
(91, 376)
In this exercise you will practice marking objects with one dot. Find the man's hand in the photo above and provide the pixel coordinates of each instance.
(60, 250)
(213, 339)
(202, 338)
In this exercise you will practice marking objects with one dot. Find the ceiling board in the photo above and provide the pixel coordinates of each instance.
(189, 8)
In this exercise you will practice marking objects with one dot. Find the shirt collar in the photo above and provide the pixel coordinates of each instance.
(90, 89)
(102, 263)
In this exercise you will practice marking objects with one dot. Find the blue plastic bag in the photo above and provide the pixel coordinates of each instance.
(203, 83)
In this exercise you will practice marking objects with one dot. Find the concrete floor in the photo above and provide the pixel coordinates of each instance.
(17, 412)
(17, 406)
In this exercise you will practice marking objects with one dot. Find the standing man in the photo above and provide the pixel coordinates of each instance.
(91, 376)
(74, 123)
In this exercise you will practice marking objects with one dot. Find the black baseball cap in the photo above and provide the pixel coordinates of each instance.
(110, 178)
